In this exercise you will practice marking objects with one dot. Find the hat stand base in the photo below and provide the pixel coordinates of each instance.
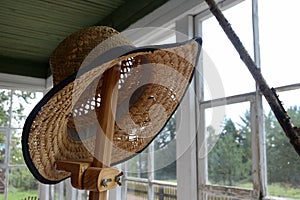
(86, 177)
(96, 175)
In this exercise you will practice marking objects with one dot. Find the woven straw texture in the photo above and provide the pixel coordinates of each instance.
(69, 55)
(151, 85)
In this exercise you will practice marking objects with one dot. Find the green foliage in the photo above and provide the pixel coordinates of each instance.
(165, 163)
(228, 162)
(284, 190)
(17, 194)
(164, 156)
(282, 160)
(17, 98)
(4, 107)
(138, 165)
(22, 179)
(12, 104)
(167, 135)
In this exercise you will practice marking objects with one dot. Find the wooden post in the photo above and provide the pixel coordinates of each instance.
(106, 119)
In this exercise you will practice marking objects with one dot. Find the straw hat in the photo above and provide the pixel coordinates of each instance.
(64, 123)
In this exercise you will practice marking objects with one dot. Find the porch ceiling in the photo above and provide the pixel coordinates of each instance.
(30, 30)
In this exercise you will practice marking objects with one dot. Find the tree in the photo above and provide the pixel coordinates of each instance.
(4, 108)
(165, 163)
(228, 162)
(245, 145)
(164, 170)
(12, 106)
(282, 161)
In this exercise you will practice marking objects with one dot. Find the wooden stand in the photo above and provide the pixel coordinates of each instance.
(96, 175)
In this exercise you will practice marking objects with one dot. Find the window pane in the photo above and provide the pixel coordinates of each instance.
(282, 160)
(23, 103)
(229, 160)
(137, 190)
(279, 41)
(16, 156)
(5, 101)
(138, 165)
(234, 74)
(165, 192)
(2, 183)
(2, 146)
(21, 184)
(165, 153)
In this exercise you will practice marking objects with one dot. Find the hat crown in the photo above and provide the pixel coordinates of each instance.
(70, 54)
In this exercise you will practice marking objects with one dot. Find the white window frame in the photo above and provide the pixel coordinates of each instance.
(257, 127)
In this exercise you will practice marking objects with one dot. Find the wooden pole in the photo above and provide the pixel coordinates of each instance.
(106, 119)
(292, 132)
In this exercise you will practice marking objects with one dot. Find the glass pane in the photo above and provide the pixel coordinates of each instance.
(229, 159)
(165, 153)
(5, 101)
(282, 160)
(2, 183)
(22, 184)
(165, 192)
(279, 41)
(23, 103)
(138, 165)
(2, 146)
(16, 156)
(220, 55)
(138, 191)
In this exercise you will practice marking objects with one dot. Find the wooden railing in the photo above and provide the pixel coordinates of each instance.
(162, 190)
(31, 198)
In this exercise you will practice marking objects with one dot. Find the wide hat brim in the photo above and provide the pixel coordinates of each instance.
(152, 83)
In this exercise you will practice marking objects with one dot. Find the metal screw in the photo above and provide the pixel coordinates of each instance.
(118, 178)
(104, 182)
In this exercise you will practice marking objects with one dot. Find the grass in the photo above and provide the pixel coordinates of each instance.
(16, 194)
(277, 190)
(280, 190)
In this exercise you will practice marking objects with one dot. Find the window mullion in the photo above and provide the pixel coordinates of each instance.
(151, 194)
(258, 139)
(7, 147)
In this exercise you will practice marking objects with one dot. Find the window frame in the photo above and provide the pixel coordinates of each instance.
(256, 117)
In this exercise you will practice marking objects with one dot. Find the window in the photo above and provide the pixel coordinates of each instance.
(221, 55)
(152, 173)
(16, 182)
(282, 160)
(279, 40)
(229, 149)
(269, 164)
